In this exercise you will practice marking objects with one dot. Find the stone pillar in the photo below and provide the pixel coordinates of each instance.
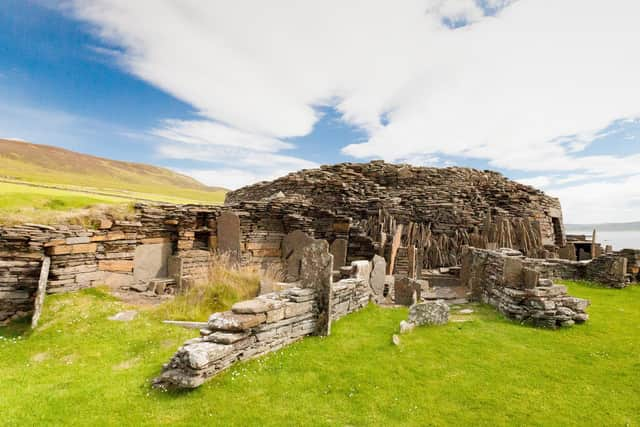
(339, 251)
(316, 269)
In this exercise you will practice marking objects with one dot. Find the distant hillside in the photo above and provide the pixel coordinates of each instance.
(612, 226)
(52, 165)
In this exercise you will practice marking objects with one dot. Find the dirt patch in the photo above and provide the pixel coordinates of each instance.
(40, 357)
(127, 364)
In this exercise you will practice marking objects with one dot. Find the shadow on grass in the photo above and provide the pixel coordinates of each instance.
(17, 328)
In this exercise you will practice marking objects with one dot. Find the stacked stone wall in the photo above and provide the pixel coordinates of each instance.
(265, 324)
(442, 210)
(505, 280)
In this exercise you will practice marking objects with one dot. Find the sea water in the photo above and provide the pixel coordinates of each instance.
(617, 239)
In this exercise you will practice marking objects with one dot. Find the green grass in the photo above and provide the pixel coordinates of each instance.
(24, 203)
(14, 197)
(41, 164)
(81, 369)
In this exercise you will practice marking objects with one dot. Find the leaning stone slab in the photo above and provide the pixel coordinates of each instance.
(40, 293)
(429, 313)
(229, 321)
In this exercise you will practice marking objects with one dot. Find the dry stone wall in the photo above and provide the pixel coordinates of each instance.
(509, 282)
(182, 237)
(269, 322)
(436, 210)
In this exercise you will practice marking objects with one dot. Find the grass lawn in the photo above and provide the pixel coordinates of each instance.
(23, 203)
(82, 369)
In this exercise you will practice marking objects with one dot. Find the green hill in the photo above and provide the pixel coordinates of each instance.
(43, 164)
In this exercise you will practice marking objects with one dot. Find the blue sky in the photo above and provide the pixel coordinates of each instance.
(235, 93)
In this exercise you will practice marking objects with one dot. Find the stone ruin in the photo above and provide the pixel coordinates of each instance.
(342, 235)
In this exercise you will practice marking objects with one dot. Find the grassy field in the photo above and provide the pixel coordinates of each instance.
(25, 203)
(81, 369)
(42, 164)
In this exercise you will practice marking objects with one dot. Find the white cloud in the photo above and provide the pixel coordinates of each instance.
(508, 89)
(231, 177)
(595, 202)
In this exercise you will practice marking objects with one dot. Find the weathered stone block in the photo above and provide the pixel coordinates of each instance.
(229, 321)
(429, 313)
(254, 306)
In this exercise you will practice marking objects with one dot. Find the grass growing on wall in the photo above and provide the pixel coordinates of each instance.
(81, 369)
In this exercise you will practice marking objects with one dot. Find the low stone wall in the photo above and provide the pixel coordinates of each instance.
(269, 322)
(610, 270)
(252, 328)
(504, 280)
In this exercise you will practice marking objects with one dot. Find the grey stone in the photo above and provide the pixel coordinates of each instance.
(406, 327)
(229, 321)
(254, 306)
(226, 337)
(41, 292)
(378, 274)
(201, 354)
(361, 270)
(530, 277)
(429, 313)
(316, 270)
(292, 247)
(513, 272)
(407, 291)
(151, 261)
(339, 251)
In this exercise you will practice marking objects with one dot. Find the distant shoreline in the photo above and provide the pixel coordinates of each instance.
(620, 226)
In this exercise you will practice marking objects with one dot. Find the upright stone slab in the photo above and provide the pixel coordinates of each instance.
(151, 261)
(40, 293)
(339, 251)
(293, 245)
(229, 234)
(316, 269)
(378, 276)
(407, 291)
(361, 270)
(513, 272)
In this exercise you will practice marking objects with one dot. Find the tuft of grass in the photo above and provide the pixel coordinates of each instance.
(81, 369)
(226, 284)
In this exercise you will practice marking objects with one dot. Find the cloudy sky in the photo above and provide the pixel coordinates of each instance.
(232, 92)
